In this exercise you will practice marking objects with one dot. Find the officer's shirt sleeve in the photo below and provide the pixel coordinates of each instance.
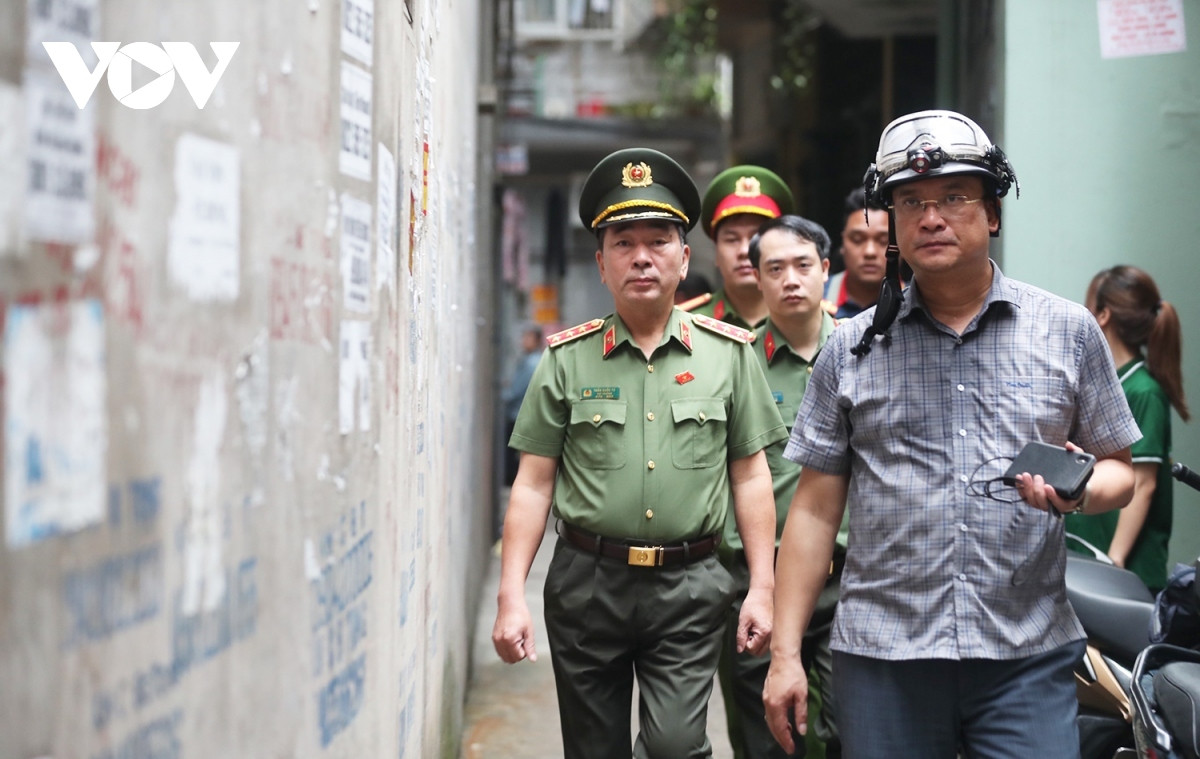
(541, 425)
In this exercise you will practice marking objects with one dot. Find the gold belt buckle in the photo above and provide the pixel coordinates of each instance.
(645, 556)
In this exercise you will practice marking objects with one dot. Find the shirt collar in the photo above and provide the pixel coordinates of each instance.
(1002, 290)
(679, 329)
(775, 344)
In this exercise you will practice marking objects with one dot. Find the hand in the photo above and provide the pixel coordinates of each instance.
(754, 621)
(1039, 495)
(785, 698)
(512, 635)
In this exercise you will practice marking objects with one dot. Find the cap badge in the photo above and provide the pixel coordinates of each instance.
(636, 176)
(748, 187)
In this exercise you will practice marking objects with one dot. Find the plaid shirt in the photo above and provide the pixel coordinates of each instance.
(936, 568)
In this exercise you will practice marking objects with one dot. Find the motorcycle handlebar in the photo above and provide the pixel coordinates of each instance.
(1185, 475)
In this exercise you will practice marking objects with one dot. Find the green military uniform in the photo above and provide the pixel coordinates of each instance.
(720, 308)
(740, 190)
(743, 675)
(644, 446)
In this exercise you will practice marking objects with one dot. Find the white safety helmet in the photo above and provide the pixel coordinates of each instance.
(935, 143)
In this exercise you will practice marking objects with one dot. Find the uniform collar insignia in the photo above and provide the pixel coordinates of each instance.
(769, 344)
(610, 339)
(685, 334)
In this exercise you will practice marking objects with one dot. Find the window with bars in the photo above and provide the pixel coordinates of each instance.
(564, 18)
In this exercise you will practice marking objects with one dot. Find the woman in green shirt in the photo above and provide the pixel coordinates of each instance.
(1143, 334)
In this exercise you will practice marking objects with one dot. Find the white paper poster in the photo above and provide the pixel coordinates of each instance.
(203, 573)
(12, 167)
(203, 246)
(1141, 27)
(354, 157)
(74, 21)
(385, 228)
(354, 376)
(356, 254)
(61, 180)
(358, 29)
(55, 432)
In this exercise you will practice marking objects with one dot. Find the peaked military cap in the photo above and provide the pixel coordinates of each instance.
(635, 184)
(744, 189)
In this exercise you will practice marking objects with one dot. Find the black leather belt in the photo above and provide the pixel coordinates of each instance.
(640, 555)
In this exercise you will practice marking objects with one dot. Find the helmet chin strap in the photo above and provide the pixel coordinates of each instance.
(888, 305)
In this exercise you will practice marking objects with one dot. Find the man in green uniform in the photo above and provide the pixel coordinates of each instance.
(636, 429)
(736, 202)
(790, 256)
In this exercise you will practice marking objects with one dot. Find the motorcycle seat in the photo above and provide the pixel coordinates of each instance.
(1177, 691)
(1112, 604)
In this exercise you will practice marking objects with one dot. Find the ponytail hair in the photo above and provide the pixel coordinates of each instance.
(1143, 320)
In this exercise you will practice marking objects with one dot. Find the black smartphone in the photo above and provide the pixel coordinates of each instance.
(1066, 471)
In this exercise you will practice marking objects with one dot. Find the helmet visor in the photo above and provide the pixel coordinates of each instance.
(959, 138)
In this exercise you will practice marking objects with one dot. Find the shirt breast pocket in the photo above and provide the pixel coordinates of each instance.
(1031, 408)
(597, 429)
(699, 438)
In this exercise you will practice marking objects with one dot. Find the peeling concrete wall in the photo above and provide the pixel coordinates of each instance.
(245, 374)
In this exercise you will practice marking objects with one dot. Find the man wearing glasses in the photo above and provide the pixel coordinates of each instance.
(953, 631)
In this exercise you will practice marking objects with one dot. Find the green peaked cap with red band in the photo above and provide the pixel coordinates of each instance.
(744, 189)
(638, 184)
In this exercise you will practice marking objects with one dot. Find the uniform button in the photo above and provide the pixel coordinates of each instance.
(650, 465)
(962, 433)
(961, 388)
(650, 368)
(649, 513)
(962, 577)
(650, 416)
(963, 477)
(596, 418)
(702, 416)
(962, 527)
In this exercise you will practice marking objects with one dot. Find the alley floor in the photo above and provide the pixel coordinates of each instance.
(511, 710)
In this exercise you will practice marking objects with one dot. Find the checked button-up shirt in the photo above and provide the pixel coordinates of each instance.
(935, 567)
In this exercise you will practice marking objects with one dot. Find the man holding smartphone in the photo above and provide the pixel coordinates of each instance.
(953, 628)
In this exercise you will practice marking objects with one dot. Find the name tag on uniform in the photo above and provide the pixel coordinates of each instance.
(600, 393)
(778, 396)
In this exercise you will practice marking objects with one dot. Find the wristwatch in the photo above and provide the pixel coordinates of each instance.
(1081, 504)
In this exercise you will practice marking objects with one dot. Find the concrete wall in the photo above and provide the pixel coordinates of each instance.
(245, 363)
(1108, 150)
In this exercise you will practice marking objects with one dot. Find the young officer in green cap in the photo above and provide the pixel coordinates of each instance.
(636, 429)
(790, 256)
(736, 202)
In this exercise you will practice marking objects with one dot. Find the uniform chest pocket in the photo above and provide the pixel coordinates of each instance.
(597, 429)
(700, 432)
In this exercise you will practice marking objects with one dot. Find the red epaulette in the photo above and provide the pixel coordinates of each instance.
(724, 328)
(579, 330)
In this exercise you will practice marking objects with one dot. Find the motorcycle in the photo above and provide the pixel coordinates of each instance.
(1165, 683)
(1115, 608)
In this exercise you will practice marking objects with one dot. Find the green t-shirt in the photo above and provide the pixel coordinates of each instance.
(1152, 411)
(644, 445)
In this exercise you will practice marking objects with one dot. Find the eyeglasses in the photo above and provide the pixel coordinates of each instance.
(952, 204)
